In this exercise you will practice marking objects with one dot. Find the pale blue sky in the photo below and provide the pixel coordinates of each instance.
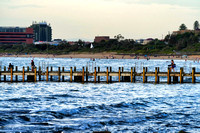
(73, 19)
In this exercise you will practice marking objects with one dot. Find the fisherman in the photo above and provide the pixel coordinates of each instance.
(10, 66)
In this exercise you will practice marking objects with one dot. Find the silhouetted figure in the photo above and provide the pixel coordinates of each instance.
(10, 66)
(32, 65)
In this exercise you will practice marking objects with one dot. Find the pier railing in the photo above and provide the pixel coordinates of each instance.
(82, 75)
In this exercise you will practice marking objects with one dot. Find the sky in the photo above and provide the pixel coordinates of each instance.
(85, 19)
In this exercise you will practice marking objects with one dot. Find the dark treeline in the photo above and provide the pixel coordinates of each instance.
(187, 43)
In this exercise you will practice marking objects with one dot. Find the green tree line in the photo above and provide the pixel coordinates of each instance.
(186, 43)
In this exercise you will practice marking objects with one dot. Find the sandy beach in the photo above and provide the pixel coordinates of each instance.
(105, 56)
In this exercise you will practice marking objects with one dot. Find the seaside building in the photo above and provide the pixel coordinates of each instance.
(101, 38)
(49, 43)
(16, 35)
(186, 31)
(140, 41)
(146, 41)
(42, 32)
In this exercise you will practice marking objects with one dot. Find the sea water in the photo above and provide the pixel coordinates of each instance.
(117, 107)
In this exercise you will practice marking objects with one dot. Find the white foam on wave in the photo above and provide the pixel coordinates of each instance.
(99, 104)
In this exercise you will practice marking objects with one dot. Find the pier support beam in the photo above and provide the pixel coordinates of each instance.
(23, 74)
(144, 75)
(63, 77)
(58, 74)
(4, 75)
(168, 76)
(99, 76)
(11, 74)
(107, 75)
(156, 75)
(110, 76)
(131, 74)
(175, 79)
(40, 73)
(122, 76)
(146, 78)
(77, 78)
(70, 74)
(158, 70)
(47, 74)
(51, 77)
(83, 75)
(16, 77)
(87, 74)
(95, 74)
(119, 73)
(0, 73)
(181, 75)
(193, 75)
(134, 77)
(35, 74)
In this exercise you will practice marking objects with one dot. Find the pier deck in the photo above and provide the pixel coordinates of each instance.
(82, 76)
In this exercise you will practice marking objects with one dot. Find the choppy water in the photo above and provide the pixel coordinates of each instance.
(118, 107)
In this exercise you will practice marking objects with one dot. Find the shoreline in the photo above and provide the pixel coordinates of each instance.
(104, 56)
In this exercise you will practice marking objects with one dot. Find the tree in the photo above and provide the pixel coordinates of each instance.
(196, 25)
(182, 27)
(119, 37)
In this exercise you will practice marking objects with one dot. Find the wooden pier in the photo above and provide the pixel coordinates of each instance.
(82, 76)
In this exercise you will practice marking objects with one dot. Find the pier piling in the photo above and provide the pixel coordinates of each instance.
(119, 74)
(110, 76)
(58, 74)
(95, 75)
(4, 75)
(83, 75)
(156, 75)
(107, 75)
(47, 74)
(168, 76)
(98, 76)
(181, 75)
(193, 75)
(16, 77)
(63, 77)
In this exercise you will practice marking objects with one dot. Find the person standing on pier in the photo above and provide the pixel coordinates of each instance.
(32, 65)
(172, 65)
(10, 66)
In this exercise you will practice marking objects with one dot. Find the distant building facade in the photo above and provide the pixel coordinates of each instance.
(140, 41)
(186, 31)
(42, 31)
(16, 35)
(101, 38)
(146, 41)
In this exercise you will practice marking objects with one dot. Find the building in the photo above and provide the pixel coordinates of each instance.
(146, 41)
(101, 38)
(139, 41)
(16, 35)
(42, 31)
(186, 31)
(44, 43)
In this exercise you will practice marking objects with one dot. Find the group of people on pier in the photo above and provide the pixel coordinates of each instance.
(32, 66)
(171, 66)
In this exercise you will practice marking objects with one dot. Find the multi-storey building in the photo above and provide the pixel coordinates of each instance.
(16, 35)
(42, 31)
